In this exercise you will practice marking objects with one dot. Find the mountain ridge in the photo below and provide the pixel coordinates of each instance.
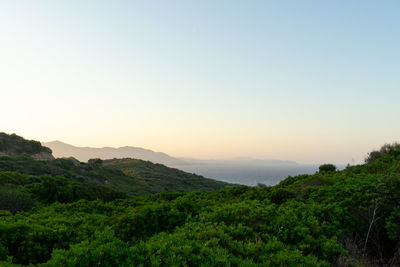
(61, 149)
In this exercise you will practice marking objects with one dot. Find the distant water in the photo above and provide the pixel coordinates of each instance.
(248, 175)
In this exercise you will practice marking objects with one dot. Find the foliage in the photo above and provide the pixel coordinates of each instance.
(16, 145)
(95, 161)
(14, 201)
(148, 177)
(48, 189)
(162, 178)
(349, 217)
(327, 168)
(384, 150)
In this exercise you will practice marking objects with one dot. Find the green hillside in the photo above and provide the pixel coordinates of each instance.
(14, 145)
(330, 218)
(75, 171)
(161, 178)
(134, 177)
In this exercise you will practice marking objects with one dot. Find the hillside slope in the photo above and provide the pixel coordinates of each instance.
(14, 145)
(330, 218)
(162, 178)
(156, 177)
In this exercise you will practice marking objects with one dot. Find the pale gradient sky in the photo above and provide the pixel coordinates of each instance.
(310, 81)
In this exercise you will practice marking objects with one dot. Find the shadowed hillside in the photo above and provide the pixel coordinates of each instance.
(13, 145)
(160, 177)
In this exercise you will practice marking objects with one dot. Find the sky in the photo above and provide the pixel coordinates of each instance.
(310, 81)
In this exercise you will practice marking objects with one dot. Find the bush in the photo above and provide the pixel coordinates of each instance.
(51, 189)
(384, 150)
(14, 201)
(327, 168)
(104, 250)
(95, 161)
(48, 189)
(12, 179)
(280, 195)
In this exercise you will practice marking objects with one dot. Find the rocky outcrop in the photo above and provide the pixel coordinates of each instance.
(43, 156)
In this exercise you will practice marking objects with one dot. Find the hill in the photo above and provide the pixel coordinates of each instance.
(148, 177)
(160, 177)
(330, 218)
(61, 149)
(13, 145)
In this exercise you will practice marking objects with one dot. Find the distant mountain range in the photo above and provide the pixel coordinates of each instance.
(242, 170)
(61, 150)
(97, 179)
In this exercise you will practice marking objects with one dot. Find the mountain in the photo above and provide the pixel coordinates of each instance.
(61, 149)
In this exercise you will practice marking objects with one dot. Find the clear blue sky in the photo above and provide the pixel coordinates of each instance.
(311, 81)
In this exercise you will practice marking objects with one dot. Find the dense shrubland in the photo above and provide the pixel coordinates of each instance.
(349, 217)
(139, 178)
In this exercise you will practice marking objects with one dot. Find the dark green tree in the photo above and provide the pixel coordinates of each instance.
(14, 201)
(327, 168)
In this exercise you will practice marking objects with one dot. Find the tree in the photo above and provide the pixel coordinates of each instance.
(327, 168)
(14, 201)
(384, 150)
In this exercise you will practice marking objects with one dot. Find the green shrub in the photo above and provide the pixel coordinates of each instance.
(14, 201)
(327, 168)
(13, 179)
(280, 195)
(103, 250)
(384, 150)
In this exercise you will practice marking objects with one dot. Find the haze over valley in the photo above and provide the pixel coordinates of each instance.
(247, 171)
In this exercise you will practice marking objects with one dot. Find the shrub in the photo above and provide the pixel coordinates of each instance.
(327, 168)
(95, 161)
(384, 150)
(280, 195)
(14, 201)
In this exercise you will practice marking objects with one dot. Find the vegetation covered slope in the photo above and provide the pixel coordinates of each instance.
(143, 177)
(161, 178)
(13, 145)
(75, 171)
(343, 218)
